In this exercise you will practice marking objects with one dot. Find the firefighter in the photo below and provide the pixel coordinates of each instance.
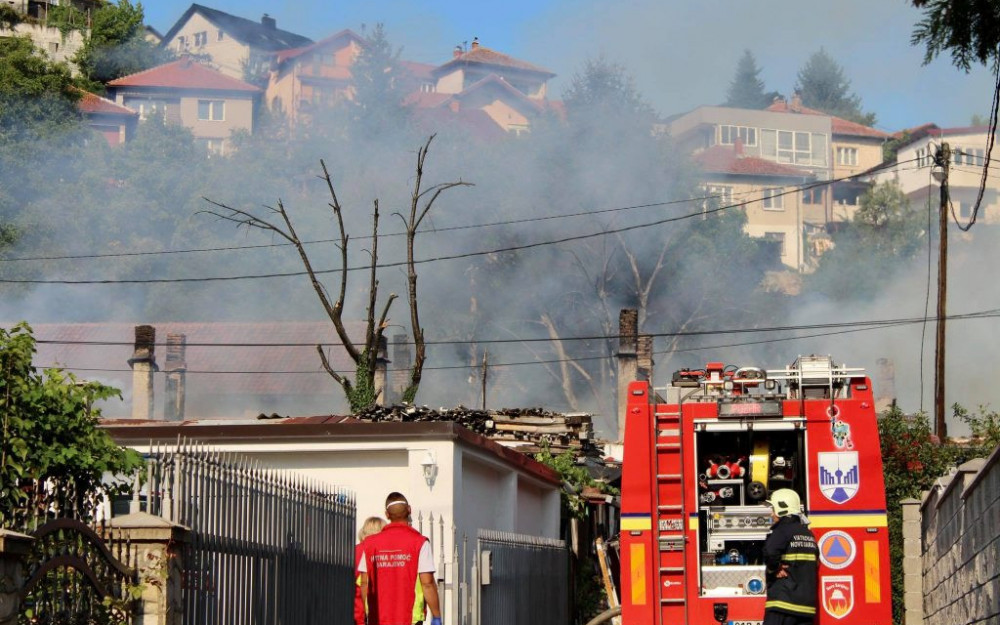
(397, 571)
(790, 556)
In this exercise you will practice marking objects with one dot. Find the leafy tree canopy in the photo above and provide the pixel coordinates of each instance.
(823, 86)
(747, 89)
(52, 452)
(36, 95)
(378, 75)
(605, 90)
(966, 29)
(117, 44)
(883, 235)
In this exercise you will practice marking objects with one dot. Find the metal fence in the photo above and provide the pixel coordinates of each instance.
(520, 579)
(267, 547)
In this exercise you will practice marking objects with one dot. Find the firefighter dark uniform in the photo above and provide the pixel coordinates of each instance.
(791, 598)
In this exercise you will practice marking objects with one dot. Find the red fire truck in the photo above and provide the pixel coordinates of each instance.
(701, 457)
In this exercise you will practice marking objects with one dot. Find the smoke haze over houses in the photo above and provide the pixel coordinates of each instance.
(682, 55)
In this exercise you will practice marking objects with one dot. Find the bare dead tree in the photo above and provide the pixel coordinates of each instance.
(361, 392)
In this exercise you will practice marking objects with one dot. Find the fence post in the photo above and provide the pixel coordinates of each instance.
(13, 548)
(158, 546)
(913, 591)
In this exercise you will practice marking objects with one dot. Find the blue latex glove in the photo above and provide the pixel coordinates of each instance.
(436, 620)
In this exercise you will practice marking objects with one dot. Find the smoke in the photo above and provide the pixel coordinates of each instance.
(600, 173)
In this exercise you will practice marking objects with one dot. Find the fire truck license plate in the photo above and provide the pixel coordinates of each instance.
(745, 623)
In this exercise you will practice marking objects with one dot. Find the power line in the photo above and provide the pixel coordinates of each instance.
(979, 315)
(703, 213)
(872, 323)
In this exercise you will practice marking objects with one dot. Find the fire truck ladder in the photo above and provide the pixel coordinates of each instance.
(670, 517)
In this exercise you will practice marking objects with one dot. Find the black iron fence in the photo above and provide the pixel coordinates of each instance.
(521, 579)
(267, 547)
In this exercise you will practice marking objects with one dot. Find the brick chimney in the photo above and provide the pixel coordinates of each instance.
(644, 357)
(381, 373)
(143, 363)
(401, 363)
(268, 22)
(628, 365)
(796, 104)
(475, 43)
(457, 52)
(176, 369)
(885, 383)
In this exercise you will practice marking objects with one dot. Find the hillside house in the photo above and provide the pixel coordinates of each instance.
(113, 121)
(915, 159)
(317, 75)
(237, 47)
(855, 148)
(209, 103)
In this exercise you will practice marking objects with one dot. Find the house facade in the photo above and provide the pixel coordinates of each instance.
(768, 159)
(209, 103)
(855, 148)
(968, 145)
(236, 46)
(304, 79)
(112, 121)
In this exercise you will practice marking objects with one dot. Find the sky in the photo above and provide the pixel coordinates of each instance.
(682, 54)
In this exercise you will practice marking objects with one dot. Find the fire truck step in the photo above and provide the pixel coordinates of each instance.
(671, 569)
(667, 414)
(670, 508)
(672, 433)
(667, 601)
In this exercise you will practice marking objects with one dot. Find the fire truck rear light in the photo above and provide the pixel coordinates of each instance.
(862, 387)
(638, 392)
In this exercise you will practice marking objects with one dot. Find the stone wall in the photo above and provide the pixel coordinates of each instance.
(960, 528)
(57, 47)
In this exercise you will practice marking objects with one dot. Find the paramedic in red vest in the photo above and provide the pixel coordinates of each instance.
(397, 568)
(372, 525)
(791, 561)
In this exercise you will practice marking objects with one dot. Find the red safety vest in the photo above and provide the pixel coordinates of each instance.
(391, 557)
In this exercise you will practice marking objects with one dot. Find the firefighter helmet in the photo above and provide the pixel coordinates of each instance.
(785, 501)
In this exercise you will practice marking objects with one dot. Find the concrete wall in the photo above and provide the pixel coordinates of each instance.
(51, 42)
(960, 528)
(227, 54)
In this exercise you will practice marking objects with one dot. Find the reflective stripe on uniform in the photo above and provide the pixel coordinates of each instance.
(791, 607)
(799, 557)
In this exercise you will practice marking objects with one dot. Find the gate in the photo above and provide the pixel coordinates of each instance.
(73, 578)
(522, 579)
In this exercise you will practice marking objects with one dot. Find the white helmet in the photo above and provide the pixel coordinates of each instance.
(785, 501)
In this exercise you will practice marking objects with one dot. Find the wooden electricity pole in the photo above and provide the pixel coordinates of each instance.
(941, 159)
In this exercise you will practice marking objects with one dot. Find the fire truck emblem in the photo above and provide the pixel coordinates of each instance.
(838, 595)
(839, 477)
(836, 549)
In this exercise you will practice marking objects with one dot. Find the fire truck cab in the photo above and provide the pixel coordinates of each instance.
(701, 456)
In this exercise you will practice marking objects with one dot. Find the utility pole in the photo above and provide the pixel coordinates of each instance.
(486, 356)
(941, 161)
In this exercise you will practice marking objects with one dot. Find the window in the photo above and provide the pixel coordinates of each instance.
(798, 148)
(773, 199)
(147, 109)
(921, 157)
(53, 47)
(721, 193)
(813, 196)
(847, 156)
(975, 156)
(221, 35)
(729, 134)
(779, 240)
(182, 43)
(211, 110)
(200, 38)
(212, 147)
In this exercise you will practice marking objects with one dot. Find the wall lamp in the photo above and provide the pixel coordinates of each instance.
(430, 468)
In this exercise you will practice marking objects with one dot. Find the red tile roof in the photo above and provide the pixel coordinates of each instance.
(346, 35)
(91, 103)
(484, 56)
(422, 71)
(839, 125)
(184, 73)
(721, 159)
(424, 99)
(474, 121)
(496, 82)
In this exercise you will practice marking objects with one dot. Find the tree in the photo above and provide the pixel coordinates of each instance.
(605, 90)
(36, 95)
(378, 94)
(747, 89)
(884, 234)
(361, 392)
(966, 29)
(53, 457)
(117, 45)
(823, 86)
